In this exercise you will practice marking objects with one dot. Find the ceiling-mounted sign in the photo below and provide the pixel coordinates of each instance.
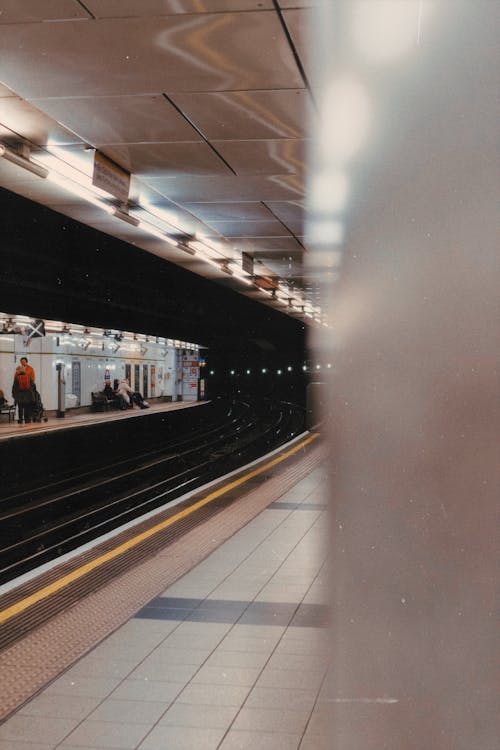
(247, 263)
(266, 282)
(35, 329)
(110, 177)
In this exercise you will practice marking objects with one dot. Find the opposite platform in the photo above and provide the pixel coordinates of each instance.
(15, 430)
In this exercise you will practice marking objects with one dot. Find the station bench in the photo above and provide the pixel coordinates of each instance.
(100, 402)
(10, 410)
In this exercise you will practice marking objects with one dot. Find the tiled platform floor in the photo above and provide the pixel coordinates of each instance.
(231, 657)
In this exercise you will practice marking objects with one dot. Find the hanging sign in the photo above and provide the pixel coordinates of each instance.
(35, 329)
(247, 263)
(110, 177)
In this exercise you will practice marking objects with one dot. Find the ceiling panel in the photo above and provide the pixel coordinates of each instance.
(190, 189)
(299, 23)
(184, 222)
(29, 11)
(234, 229)
(228, 211)
(120, 119)
(291, 213)
(167, 158)
(148, 55)
(300, 3)
(19, 118)
(124, 8)
(248, 115)
(264, 157)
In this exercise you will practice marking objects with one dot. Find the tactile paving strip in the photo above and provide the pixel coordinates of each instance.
(39, 657)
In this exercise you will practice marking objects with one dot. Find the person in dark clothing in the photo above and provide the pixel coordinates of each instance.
(137, 398)
(109, 392)
(23, 393)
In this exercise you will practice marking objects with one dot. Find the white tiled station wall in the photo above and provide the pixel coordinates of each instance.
(97, 359)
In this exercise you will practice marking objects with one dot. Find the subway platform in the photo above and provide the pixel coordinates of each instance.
(14, 430)
(217, 641)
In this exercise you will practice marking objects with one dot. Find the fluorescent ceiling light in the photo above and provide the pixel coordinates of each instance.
(202, 247)
(124, 216)
(244, 279)
(186, 248)
(166, 216)
(21, 161)
(79, 191)
(151, 229)
(56, 165)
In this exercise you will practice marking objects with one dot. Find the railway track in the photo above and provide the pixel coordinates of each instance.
(42, 521)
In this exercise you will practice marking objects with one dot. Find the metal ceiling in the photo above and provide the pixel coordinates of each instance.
(205, 102)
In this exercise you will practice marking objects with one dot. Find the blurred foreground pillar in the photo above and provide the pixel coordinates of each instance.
(414, 339)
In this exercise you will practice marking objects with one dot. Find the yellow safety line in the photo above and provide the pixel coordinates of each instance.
(20, 606)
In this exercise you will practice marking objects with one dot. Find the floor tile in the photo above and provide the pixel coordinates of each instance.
(316, 742)
(247, 644)
(202, 630)
(271, 720)
(170, 602)
(103, 734)
(7, 745)
(182, 738)
(236, 740)
(165, 654)
(222, 658)
(299, 646)
(226, 676)
(129, 712)
(152, 669)
(60, 706)
(288, 698)
(271, 632)
(186, 641)
(162, 614)
(134, 651)
(298, 661)
(186, 715)
(91, 666)
(35, 729)
(308, 680)
(147, 690)
(91, 687)
(213, 695)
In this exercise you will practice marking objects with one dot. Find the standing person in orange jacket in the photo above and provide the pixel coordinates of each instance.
(23, 393)
(28, 368)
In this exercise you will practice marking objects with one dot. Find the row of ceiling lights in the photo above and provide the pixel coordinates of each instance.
(53, 164)
(279, 371)
(22, 324)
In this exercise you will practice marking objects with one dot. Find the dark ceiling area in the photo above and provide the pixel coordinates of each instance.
(54, 267)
